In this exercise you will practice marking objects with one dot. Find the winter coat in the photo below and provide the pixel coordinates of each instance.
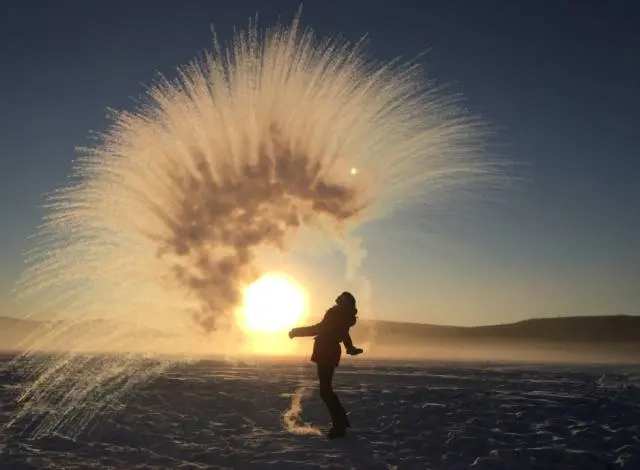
(329, 333)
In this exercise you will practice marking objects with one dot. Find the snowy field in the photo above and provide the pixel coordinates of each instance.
(217, 415)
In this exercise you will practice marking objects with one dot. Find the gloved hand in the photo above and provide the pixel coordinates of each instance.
(354, 351)
(293, 333)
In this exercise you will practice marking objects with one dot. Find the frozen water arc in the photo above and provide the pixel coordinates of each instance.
(161, 221)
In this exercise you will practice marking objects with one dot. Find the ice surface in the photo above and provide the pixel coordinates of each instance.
(221, 415)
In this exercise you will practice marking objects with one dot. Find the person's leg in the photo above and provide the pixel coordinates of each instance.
(325, 377)
(338, 415)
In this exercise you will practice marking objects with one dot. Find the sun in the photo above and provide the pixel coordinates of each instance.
(273, 303)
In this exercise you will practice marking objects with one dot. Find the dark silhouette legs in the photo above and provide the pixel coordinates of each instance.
(329, 397)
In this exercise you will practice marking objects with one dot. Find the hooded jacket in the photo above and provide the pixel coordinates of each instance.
(329, 333)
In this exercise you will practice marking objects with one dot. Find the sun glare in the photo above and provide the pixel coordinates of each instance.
(273, 303)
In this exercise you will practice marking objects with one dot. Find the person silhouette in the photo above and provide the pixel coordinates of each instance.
(329, 333)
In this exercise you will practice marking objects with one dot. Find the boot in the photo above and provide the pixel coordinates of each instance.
(339, 427)
(336, 432)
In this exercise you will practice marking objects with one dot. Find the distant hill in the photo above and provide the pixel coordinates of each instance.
(14, 331)
(616, 329)
(585, 338)
(16, 328)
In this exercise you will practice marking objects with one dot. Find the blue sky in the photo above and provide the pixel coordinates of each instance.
(560, 82)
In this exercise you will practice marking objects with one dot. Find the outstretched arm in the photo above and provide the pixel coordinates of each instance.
(312, 330)
(305, 331)
(348, 344)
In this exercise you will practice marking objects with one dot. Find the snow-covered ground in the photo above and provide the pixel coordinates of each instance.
(220, 415)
